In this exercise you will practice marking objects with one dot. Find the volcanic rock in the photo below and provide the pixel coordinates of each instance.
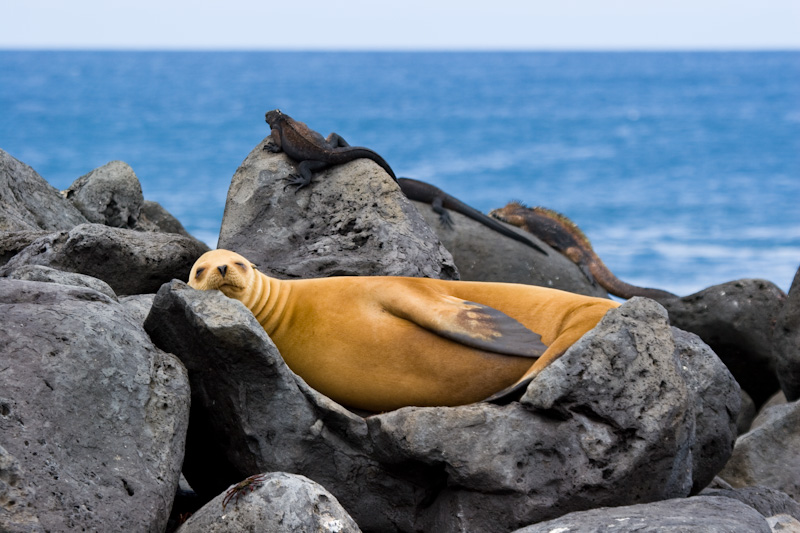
(276, 503)
(28, 202)
(351, 220)
(131, 262)
(625, 416)
(786, 343)
(93, 413)
(708, 514)
(736, 319)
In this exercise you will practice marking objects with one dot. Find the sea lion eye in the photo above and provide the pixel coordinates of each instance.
(199, 271)
(241, 265)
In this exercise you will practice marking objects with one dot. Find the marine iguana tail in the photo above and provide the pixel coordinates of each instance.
(311, 150)
(563, 235)
(441, 201)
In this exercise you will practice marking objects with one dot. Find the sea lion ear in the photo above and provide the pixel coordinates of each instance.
(253, 266)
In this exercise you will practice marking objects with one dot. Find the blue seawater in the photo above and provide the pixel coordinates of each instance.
(682, 168)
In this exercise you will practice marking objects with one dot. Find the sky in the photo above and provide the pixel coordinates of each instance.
(400, 24)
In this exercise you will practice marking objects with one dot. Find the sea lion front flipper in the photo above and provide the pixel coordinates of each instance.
(471, 324)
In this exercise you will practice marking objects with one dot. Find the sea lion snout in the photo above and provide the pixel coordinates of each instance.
(222, 269)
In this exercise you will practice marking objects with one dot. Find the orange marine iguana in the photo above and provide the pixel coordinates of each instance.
(563, 235)
(311, 150)
(440, 201)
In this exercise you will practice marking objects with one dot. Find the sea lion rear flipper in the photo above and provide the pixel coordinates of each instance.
(510, 393)
(471, 324)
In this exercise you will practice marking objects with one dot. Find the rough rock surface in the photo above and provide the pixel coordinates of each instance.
(746, 414)
(92, 411)
(769, 454)
(131, 262)
(786, 343)
(736, 319)
(110, 195)
(153, 217)
(138, 306)
(717, 400)
(784, 524)
(13, 242)
(482, 254)
(351, 220)
(28, 202)
(280, 503)
(617, 420)
(768, 502)
(17, 496)
(708, 514)
(51, 275)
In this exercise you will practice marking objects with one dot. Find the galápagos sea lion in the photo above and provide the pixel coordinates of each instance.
(380, 343)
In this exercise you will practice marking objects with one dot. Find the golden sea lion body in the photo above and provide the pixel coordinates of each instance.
(380, 343)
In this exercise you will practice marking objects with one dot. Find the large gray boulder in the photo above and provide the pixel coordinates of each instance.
(709, 514)
(110, 195)
(28, 202)
(273, 503)
(769, 454)
(351, 220)
(131, 262)
(92, 411)
(736, 319)
(482, 254)
(786, 343)
(51, 275)
(621, 418)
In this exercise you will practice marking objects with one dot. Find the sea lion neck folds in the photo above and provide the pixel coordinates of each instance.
(379, 343)
(237, 278)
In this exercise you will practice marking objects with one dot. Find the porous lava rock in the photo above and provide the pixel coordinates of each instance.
(624, 416)
(94, 414)
(130, 262)
(275, 502)
(786, 343)
(736, 319)
(28, 202)
(708, 514)
(769, 454)
(110, 195)
(351, 220)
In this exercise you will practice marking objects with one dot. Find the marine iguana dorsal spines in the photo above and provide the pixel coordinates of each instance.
(565, 236)
(312, 151)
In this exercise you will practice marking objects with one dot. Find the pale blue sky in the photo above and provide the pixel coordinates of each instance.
(401, 24)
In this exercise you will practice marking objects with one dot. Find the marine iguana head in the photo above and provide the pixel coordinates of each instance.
(275, 116)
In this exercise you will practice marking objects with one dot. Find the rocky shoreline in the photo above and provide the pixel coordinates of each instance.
(115, 378)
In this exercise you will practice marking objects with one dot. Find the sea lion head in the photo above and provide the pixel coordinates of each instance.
(224, 270)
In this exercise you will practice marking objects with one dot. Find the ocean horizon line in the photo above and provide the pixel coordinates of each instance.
(410, 50)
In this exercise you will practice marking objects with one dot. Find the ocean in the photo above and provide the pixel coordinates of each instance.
(683, 168)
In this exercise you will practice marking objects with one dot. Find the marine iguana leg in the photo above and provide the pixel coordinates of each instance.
(306, 171)
(437, 204)
(273, 147)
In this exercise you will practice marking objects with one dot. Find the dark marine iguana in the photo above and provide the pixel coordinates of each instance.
(312, 151)
(563, 235)
(441, 201)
